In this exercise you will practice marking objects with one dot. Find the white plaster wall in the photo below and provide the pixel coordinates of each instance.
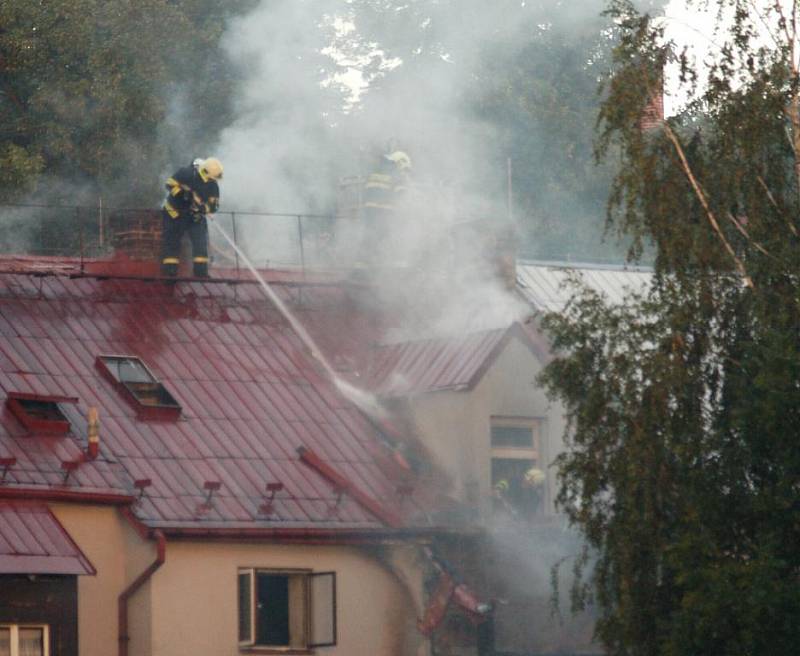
(455, 426)
(194, 598)
(119, 555)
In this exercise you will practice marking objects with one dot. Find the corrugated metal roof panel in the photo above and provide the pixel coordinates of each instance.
(32, 541)
(432, 365)
(249, 391)
(544, 285)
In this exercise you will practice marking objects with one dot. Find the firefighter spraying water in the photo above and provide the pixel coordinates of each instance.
(192, 195)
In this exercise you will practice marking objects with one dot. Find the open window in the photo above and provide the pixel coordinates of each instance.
(518, 481)
(146, 392)
(24, 640)
(286, 609)
(40, 413)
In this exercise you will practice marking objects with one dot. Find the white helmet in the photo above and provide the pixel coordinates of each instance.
(534, 477)
(401, 159)
(210, 167)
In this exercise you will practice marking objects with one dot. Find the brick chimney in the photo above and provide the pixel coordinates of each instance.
(137, 233)
(653, 114)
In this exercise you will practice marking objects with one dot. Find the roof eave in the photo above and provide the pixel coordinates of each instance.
(343, 536)
(75, 496)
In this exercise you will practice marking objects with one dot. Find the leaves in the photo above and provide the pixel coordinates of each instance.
(85, 86)
(683, 470)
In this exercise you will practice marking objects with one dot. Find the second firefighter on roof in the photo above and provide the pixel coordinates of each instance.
(192, 194)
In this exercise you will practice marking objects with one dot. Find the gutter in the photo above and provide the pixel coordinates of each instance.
(50, 494)
(317, 536)
(127, 593)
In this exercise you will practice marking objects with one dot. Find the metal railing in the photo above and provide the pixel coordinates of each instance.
(269, 239)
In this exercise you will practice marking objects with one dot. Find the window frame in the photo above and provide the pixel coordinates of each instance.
(308, 575)
(531, 454)
(15, 401)
(169, 410)
(27, 625)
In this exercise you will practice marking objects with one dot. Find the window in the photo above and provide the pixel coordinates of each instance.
(286, 609)
(24, 640)
(518, 482)
(40, 413)
(139, 382)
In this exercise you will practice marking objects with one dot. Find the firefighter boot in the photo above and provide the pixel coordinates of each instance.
(200, 267)
(169, 269)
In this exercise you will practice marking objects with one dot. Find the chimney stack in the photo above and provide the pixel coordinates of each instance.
(653, 114)
(137, 234)
(505, 255)
(93, 447)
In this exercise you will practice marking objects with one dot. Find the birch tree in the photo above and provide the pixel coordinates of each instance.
(684, 405)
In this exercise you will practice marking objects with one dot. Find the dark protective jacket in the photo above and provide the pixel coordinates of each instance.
(189, 194)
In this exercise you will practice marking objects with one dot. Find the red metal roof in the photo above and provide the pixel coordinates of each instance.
(454, 363)
(250, 396)
(32, 541)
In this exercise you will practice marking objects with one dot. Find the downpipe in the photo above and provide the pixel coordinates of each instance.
(127, 593)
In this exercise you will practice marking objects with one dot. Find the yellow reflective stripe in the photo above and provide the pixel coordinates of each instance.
(171, 210)
(170, 260)
(377, 185)
(379, 177)
(381, 206)
(200, 259)
(203, 177)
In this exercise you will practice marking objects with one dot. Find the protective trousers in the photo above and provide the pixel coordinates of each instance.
(171, 235)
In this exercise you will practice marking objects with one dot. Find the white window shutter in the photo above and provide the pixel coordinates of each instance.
(323, 609)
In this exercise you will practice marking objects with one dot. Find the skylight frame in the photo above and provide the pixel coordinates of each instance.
(167, 407)
(16, 403)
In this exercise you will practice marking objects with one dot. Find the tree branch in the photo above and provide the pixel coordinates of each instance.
(774, 202)
(712, 219)
(746, 234)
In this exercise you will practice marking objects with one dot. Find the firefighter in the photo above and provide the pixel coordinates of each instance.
(389, 178)
(384, 187)
(192, 194)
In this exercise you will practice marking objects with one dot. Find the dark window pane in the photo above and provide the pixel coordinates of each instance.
(512, 489)
(245, 609)
(272, 610)
(45, 410)
(520, 436)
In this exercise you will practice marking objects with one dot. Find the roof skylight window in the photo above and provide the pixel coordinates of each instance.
(142, 386)
(40, 413)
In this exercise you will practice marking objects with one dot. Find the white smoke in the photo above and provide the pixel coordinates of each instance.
(298, 131)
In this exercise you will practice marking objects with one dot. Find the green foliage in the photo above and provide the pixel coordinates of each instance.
(683, 471)
(84, 87)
